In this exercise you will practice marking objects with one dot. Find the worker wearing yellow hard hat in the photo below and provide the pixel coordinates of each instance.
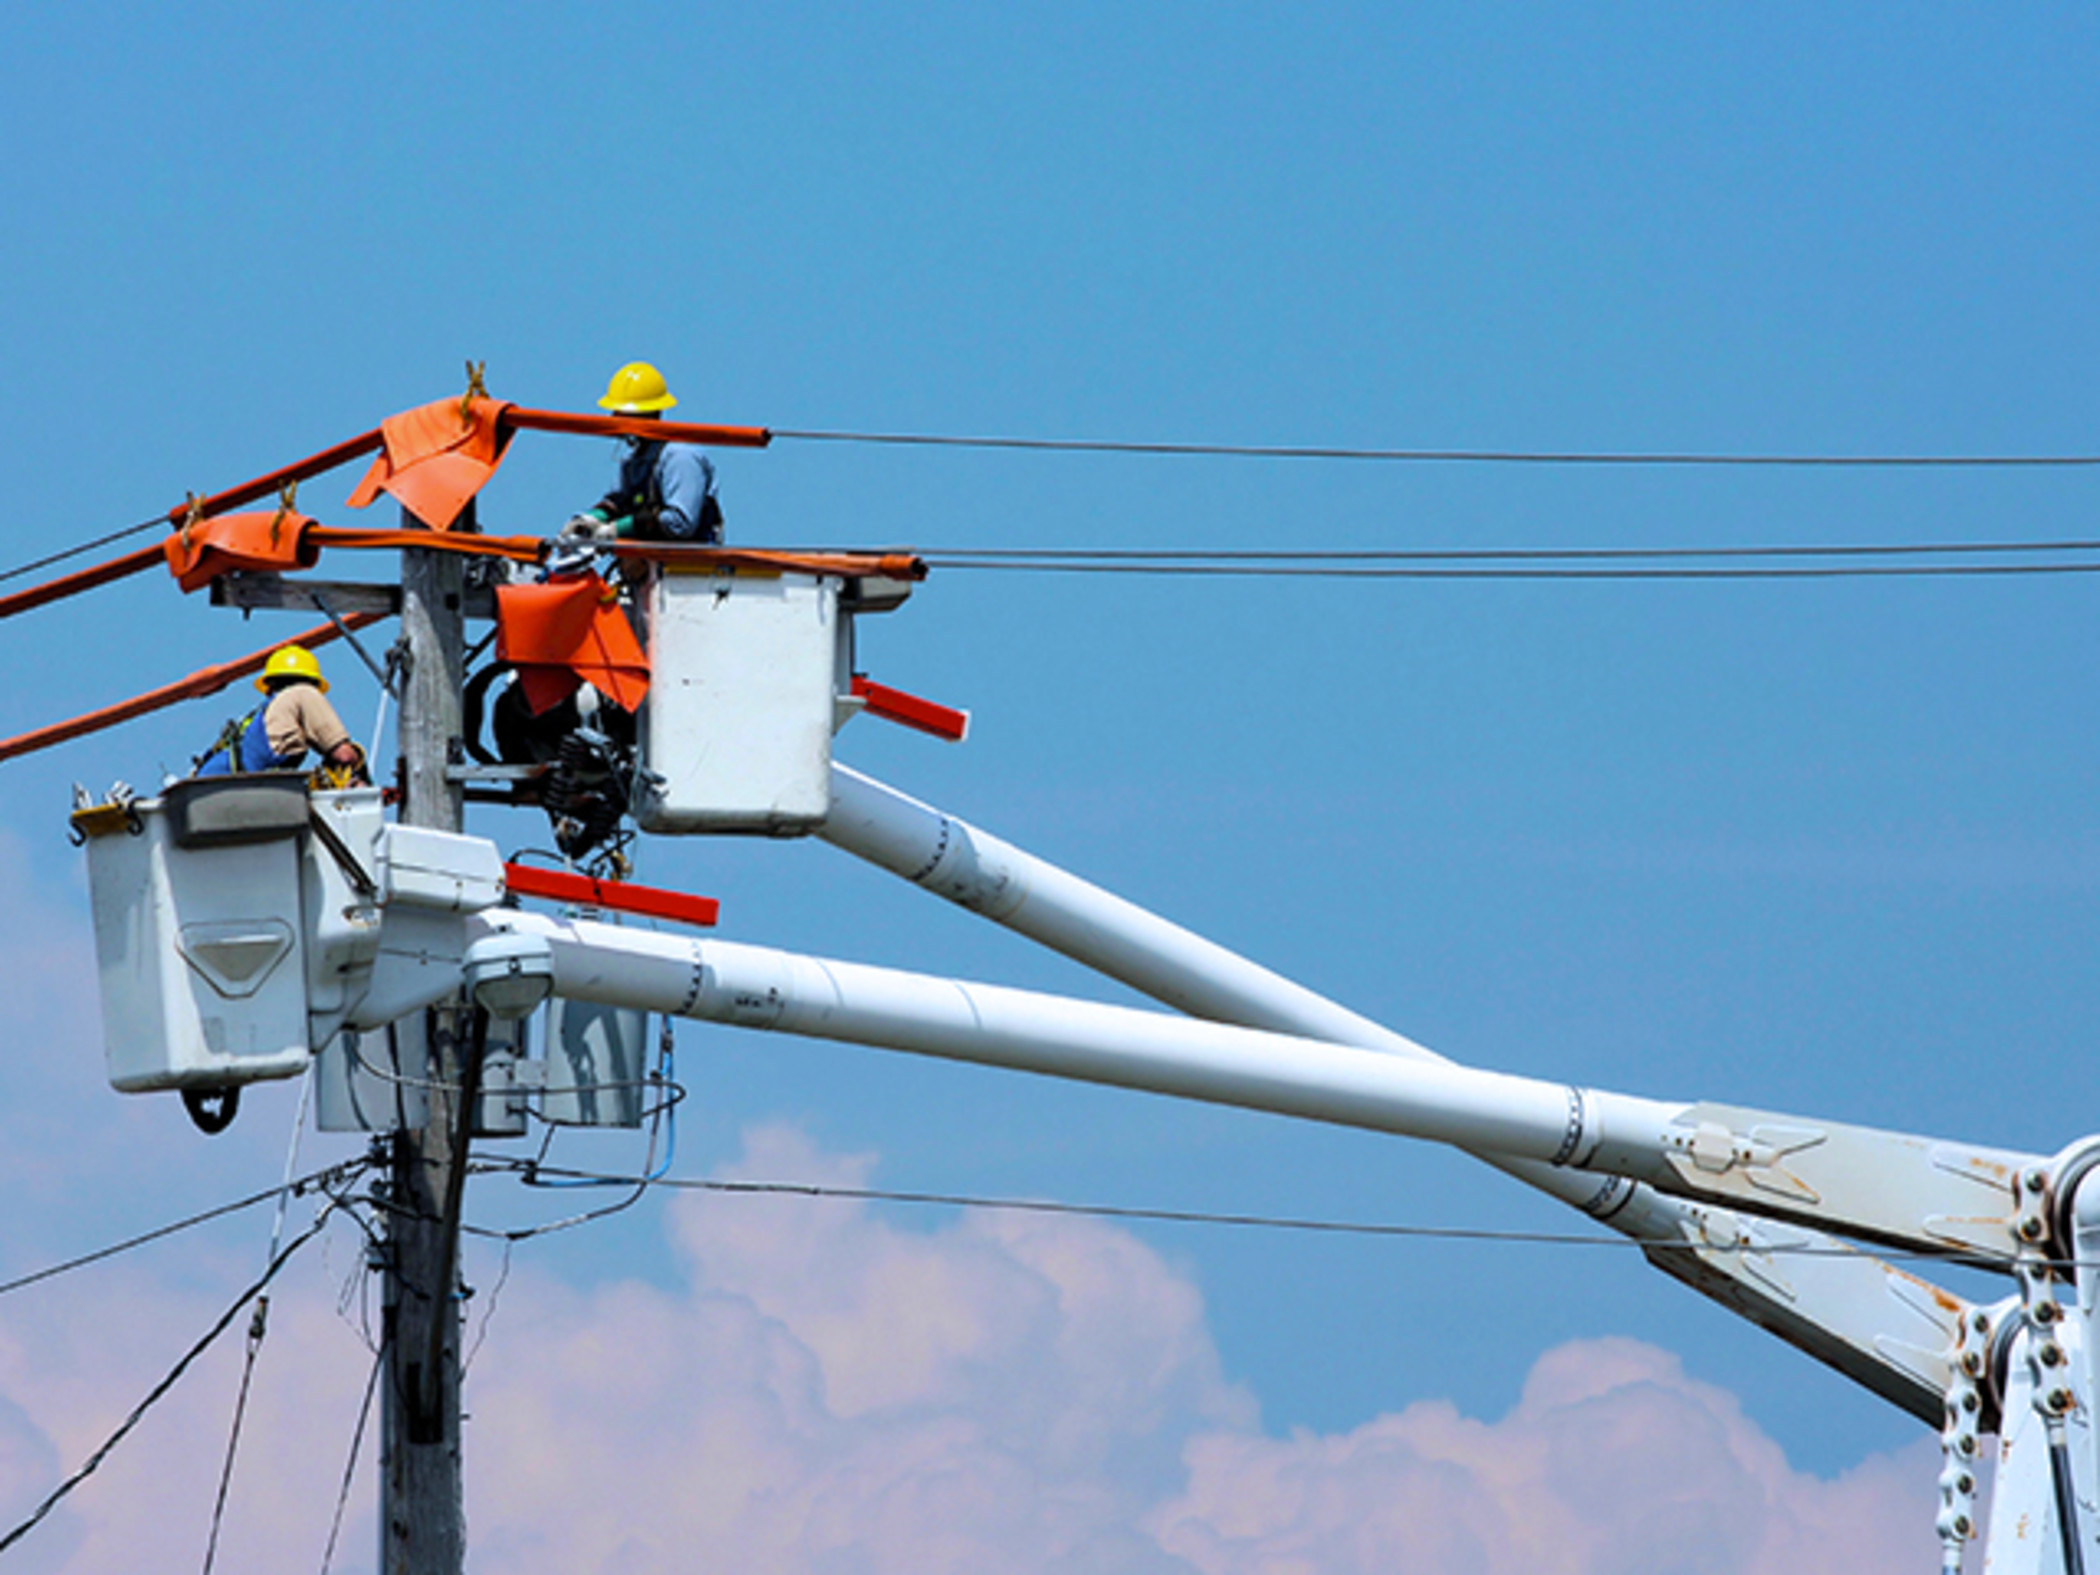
(637, 389)
(665, 491)
(295, 719)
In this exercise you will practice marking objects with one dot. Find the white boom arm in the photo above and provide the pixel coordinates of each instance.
(1886, 1329)
(1934, 1197)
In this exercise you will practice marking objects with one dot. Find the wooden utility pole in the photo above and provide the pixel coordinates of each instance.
(422, 1512)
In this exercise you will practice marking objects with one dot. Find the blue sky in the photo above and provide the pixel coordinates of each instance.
(1822, 847)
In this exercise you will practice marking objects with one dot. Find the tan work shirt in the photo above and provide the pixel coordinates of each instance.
(299, 718)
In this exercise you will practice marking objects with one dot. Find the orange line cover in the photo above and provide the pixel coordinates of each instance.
(84, 580)
(523, 549)
(205, 681)
(263, 486)
(847, 565)
(637, 426)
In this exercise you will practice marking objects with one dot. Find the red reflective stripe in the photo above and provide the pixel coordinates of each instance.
(561, 886)
(927, 716)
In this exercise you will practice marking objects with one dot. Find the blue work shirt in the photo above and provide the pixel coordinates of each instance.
(672, 476)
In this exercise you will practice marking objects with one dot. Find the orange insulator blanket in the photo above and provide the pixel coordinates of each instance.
(566, 633)
(240, 543)
(436, 457)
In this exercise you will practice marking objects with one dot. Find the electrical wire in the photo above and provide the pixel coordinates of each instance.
(319, 1178)
(1498, 554)
(1823, 561)
(1860, 571)
(488, 1311)
(20, 569)
(664, 1124)
(1373, 1228)
(1464, 456)
(1306, 452)
(258, 1327)
(357, 1440)
(159, 1390)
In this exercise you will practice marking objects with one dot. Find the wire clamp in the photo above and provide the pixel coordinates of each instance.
(192, 512)
(287, 500)
(477, 388)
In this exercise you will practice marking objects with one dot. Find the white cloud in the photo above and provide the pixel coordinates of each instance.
(820, 1390)
(835, 1392)
(1613, 1460)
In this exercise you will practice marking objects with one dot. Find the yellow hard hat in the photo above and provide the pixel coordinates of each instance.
(291, 661)
(637, 389)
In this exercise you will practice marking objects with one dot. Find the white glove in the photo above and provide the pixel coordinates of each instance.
(588, 527)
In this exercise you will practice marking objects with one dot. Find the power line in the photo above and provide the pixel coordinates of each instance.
(1306, 452)
(1851, 571)
(1373, 1228)
(1756, 561)
(1464, 456)
(155, 1394)
(258, 1327)
(357, 1439)
(291, 1189)
(1501, 554)
(87, 546)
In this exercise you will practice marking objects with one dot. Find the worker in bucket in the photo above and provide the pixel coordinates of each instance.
(666, 491)
(296, 719)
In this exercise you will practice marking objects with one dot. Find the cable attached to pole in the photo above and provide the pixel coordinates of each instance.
(357, 1441)
(258, 1327)
(160, 1390)
(130, 1243)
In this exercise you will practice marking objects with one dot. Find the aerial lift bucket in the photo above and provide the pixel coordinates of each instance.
(747, 667)
(242, 920)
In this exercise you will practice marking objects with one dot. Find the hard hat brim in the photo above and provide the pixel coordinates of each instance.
(637, 407)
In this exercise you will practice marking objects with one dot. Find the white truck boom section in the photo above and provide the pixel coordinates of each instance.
(1888, 1330)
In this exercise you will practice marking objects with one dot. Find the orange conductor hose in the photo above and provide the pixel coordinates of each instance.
(850, 565)
(636, 426)
(85, 580)
(525, 549)
(205, 681)
(263, 486)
